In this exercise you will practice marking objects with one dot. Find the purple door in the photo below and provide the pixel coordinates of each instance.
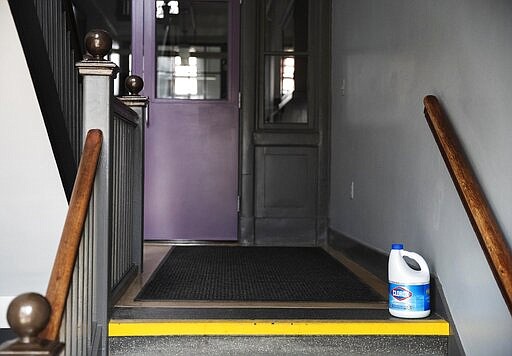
(190, 70)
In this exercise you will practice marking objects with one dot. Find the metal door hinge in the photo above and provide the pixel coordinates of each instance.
(239, 100)
(238, 203)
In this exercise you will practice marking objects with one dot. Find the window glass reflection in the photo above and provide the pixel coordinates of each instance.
(286, 25)
(286, 89)
(191, 49)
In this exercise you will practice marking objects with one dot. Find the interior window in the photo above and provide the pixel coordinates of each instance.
(286, 61)
(191, 49)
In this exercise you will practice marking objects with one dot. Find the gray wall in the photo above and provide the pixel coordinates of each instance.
(33, 203)
(390, 55)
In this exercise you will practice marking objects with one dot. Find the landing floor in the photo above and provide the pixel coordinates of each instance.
(154, 253)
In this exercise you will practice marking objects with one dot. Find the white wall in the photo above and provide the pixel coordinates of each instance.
(391, 54)
(33, 202)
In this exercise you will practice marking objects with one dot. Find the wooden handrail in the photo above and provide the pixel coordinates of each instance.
(60, 279)
(484, 222)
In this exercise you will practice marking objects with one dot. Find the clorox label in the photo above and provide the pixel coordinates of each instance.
(409, 297)
(401, 293)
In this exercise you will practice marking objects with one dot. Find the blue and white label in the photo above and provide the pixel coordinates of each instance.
(409, 297)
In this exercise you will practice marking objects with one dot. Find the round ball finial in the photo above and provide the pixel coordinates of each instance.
(134, 84)
(28, 315)
(98, 44)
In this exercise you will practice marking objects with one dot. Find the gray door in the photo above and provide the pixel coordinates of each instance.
(285, 87)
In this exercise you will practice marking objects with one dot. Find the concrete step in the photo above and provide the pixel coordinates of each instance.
(279, 345)
(273, 331)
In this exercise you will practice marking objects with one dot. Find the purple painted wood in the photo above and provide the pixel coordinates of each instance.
(191, 173)
(191, 178)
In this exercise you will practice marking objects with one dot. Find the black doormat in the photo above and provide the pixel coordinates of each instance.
(218, 273)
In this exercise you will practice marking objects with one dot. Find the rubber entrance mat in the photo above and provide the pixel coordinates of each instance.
(218, 273)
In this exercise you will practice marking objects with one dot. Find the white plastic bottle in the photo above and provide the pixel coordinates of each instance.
(409, 289)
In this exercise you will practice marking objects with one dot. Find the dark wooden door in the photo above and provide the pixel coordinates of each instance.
(189, 62)
(285, 96)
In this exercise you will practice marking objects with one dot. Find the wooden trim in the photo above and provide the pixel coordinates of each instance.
(484, 222)
(283, 138)
(366, 276)
(120, 289)
(62, 272)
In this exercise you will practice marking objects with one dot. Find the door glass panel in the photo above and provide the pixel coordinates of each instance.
(191, 49)
(286, 99)
(286, 25)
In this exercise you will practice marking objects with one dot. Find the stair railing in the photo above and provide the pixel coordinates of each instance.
(110, 254)
(30, 314)
(484, 222)
(48, 35)
(116, 215)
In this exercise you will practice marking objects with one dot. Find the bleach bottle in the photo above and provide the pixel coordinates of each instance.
(409, 289)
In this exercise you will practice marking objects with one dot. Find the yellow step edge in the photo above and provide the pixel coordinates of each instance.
(281, 327)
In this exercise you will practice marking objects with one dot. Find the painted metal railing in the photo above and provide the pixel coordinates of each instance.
(80, 332)
(58, 27)
(100, 278)
(113, 251)
(124, 124)
(94, 273)
(47, 33)
(37, 319)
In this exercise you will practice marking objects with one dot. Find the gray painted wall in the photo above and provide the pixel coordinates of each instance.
(33, 203)
(390, 54)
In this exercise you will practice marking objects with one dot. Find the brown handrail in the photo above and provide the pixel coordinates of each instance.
(60, 279)
(484, 222)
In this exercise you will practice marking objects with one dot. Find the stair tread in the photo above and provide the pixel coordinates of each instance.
(170, 313)
(272, 321)
(279, 345)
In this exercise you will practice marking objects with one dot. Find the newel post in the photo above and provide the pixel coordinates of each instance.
(139, 104)
(28, 315)
(98, 81)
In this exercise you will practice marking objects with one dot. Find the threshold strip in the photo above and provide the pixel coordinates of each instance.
(281, 327)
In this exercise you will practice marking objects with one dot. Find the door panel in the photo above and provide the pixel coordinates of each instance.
(285, 182)
(284, 231)
(190, 64)
(191, 172)
(285, 195)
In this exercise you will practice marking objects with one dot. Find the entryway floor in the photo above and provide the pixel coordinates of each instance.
(154, 254)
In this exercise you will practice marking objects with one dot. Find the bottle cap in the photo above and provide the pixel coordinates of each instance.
(397, 246)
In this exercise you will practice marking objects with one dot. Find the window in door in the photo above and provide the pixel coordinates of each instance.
(191, 49)
(286, 62)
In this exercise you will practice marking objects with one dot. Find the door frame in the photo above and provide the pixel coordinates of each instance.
(253, 133)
